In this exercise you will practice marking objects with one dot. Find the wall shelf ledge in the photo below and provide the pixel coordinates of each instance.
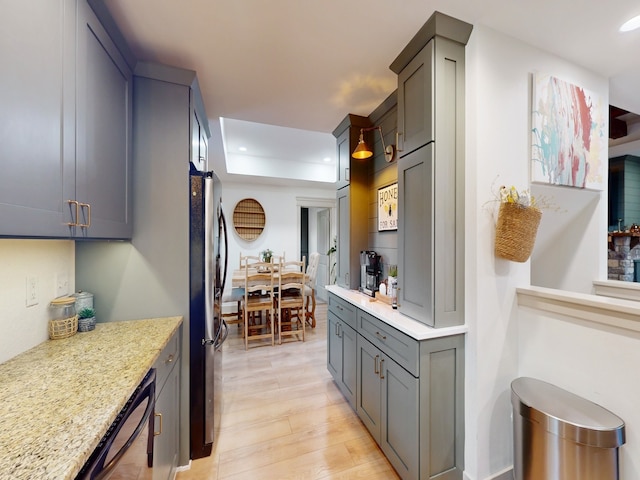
(604, 310)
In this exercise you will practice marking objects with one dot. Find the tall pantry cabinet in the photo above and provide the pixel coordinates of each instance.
(66, 118)
(352, 202)
(431, 172)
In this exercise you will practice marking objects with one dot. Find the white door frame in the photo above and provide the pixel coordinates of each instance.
(311, 202)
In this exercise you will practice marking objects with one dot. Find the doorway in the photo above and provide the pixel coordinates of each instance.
(316, 218)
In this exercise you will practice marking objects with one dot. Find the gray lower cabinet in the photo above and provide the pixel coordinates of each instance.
(408, 393)
(388, 406)
(341, 356)
(67, 169)
(341, 346)
(167, 411)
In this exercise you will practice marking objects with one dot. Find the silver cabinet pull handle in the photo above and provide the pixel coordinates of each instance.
(88, 224)
(380, 336)
(381, 374)
(169, 359)
(399, 148)
(375, 365)
(155, 434)
(74, 222)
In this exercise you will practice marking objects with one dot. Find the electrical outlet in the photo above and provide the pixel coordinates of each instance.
(62, 284)
(32, 291)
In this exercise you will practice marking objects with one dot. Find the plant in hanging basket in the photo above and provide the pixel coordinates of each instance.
(518, 221)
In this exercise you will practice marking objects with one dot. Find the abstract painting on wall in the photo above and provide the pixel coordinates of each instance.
(568, 136)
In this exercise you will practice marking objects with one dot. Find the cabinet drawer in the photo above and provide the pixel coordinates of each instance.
(166, 361)
(400, 347)
(342, 309)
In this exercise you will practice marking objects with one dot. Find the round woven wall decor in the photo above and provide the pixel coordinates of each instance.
(248, 219)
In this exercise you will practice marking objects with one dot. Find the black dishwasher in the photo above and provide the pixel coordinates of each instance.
(130, 436)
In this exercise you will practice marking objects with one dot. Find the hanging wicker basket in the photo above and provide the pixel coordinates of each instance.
(516, 231)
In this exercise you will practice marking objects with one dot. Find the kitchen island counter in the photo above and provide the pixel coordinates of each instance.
(58, 399)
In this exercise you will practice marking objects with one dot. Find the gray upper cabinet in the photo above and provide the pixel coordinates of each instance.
(431, 173)
(415, 109)
(199, 143)
(347, 135)
(66, 124)
(35, 87)
(352, 202)
(104, 93)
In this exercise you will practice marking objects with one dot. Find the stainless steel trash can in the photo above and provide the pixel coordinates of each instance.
(561, 436)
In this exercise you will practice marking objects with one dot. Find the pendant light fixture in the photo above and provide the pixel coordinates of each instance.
(362, 151)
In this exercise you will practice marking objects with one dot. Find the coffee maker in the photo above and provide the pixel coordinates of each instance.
(370, 270)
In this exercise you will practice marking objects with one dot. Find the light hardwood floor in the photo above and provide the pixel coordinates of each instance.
(284, 418)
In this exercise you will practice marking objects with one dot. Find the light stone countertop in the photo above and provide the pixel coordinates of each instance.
(58, 399)
(394, 318)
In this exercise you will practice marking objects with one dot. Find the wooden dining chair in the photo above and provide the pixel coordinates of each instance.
(290, 299)
(236, 297)
(310, 289)
(259, 291)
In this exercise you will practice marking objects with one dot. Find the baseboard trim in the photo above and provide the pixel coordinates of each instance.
(506, 474)
(184, 468)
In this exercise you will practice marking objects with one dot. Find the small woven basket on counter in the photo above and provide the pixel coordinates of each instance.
(63, 328)
(516, 231)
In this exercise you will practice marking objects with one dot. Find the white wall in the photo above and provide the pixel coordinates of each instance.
(598, 363)
(498, 88)
(24, 327)
(281, 232)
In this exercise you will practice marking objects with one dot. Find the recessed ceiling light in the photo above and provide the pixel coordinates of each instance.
(242, 149)
(631, 24)
(326, 159)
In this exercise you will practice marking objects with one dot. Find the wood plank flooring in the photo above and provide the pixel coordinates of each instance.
(283, 417)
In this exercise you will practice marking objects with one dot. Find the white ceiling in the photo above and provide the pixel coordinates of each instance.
(305, 65)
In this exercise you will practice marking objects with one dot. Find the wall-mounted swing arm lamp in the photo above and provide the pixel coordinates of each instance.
(362, 151)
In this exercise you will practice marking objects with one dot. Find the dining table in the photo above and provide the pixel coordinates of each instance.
(238, 281)
(238, 277)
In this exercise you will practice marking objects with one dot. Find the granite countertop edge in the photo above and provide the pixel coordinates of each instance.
(384, 312)
(58, 399)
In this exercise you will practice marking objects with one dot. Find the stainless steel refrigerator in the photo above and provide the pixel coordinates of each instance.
(208, 330)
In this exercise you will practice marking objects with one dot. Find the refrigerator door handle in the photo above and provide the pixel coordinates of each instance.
(223, 223)
(224, 337)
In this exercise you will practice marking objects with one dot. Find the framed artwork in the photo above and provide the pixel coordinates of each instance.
(568, 134)
(388, 208)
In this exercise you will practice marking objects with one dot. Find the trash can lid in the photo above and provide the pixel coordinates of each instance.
(565, 414)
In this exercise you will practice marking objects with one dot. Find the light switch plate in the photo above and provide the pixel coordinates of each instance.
(62, 284)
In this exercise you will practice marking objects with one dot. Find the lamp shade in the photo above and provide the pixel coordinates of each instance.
(362, 151)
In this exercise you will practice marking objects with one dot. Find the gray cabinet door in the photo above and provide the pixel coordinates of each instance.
(35, 90)
(343, 159)
(369, 400)
(341, 356)
(334, 347)
(415, 235)
(399, 437)
(343, 276)
(104, 128)
(349, 363)
(415, 94)
(167, 428)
